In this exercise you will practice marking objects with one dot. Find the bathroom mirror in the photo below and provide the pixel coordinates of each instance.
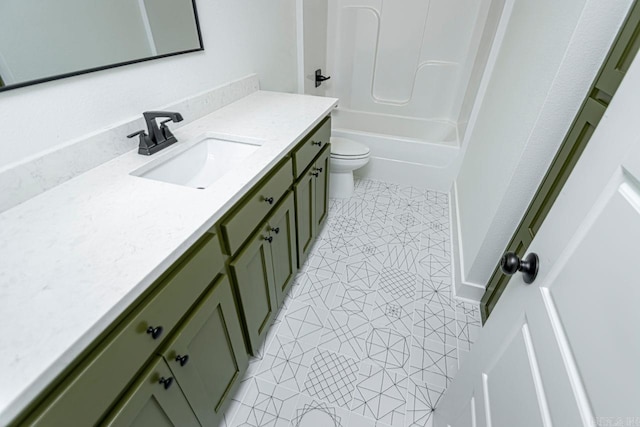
(42, 40)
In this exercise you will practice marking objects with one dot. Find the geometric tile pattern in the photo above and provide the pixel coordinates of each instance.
(265, 404)
(316, 291)
(436, 323)
(469, 324)
(332, 377)
(390, 349)
(380, 395)
(345, 333)
(362, 273)
(398, 282)
(435, 292)
(433, 362)
(318, 413)
(393, 312)
(423, 400)
(371, 333)
(286, 363)
(302, 322)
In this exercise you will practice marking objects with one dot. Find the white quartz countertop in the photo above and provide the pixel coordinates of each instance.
(74, 258)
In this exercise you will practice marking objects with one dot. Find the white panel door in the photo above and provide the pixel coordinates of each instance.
(565, 350)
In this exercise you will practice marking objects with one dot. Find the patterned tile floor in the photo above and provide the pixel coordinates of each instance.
(370, 334)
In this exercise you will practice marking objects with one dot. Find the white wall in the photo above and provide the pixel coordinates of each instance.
(482, 45)
(314, 21)
(548, 58)
(240, 37)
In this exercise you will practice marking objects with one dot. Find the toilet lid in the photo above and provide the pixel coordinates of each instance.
(343, 147)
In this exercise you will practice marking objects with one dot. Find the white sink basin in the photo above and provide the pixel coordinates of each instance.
(199, 164)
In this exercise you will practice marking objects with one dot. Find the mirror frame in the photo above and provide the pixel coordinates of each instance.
(106, 67)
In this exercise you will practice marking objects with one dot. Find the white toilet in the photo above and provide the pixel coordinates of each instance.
(346, 156)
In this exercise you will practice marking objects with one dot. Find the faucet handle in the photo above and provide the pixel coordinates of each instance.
(145, 142)
(142, 134)
(165, 129)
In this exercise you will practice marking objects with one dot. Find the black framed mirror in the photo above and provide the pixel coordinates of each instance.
(43, 40)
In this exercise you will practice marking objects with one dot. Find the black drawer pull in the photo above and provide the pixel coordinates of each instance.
(166, 382)
(182, 359)
(275, 230)
(269, 200)
(155, 332)
(318, 143)
(316, 174)
(269, 239)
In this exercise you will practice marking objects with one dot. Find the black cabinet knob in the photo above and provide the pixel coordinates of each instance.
(318, 143)
(269, 239)
(275, 230)
(318, 169)
(182, 359)
(511, 264)
(269, 200)
(155, 332)
(166, 382)
(316, 174)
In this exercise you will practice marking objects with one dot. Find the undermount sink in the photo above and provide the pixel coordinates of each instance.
(199, 164)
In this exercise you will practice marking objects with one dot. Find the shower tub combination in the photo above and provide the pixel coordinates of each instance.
(404, 150)
(404, 104)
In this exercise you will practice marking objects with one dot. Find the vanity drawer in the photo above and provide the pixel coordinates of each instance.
(239, 225)
(308, 149)
(106, 372)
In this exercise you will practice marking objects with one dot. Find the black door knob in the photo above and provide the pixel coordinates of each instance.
(182, 359)
(155, 332)
(511, 264)
(166, 382)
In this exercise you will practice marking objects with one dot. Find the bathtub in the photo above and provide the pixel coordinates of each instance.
(404, 150)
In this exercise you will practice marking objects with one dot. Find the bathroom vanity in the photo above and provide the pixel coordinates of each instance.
(131, 299)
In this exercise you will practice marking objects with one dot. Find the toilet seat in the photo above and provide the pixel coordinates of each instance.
(348, 149)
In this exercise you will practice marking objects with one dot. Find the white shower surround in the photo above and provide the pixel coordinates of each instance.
(401, 94)
(404, 150)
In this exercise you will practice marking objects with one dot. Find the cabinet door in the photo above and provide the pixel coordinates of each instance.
(322, 186)
(152, 403)
(283, 247)
(208, 356)
(305, 214)
(253, 273)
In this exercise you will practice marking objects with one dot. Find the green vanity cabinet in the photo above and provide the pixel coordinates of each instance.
(176, 355)
(305, 191)
(312, 203)
(154, 400)
(173, 319)
(264, 270)
(207, 356)
(306, 152)
(252, 271)
(321, 167)
(108, 370)
(284, 254)
(240, 223)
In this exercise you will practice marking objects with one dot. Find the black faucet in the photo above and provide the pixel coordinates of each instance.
(159, 137)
